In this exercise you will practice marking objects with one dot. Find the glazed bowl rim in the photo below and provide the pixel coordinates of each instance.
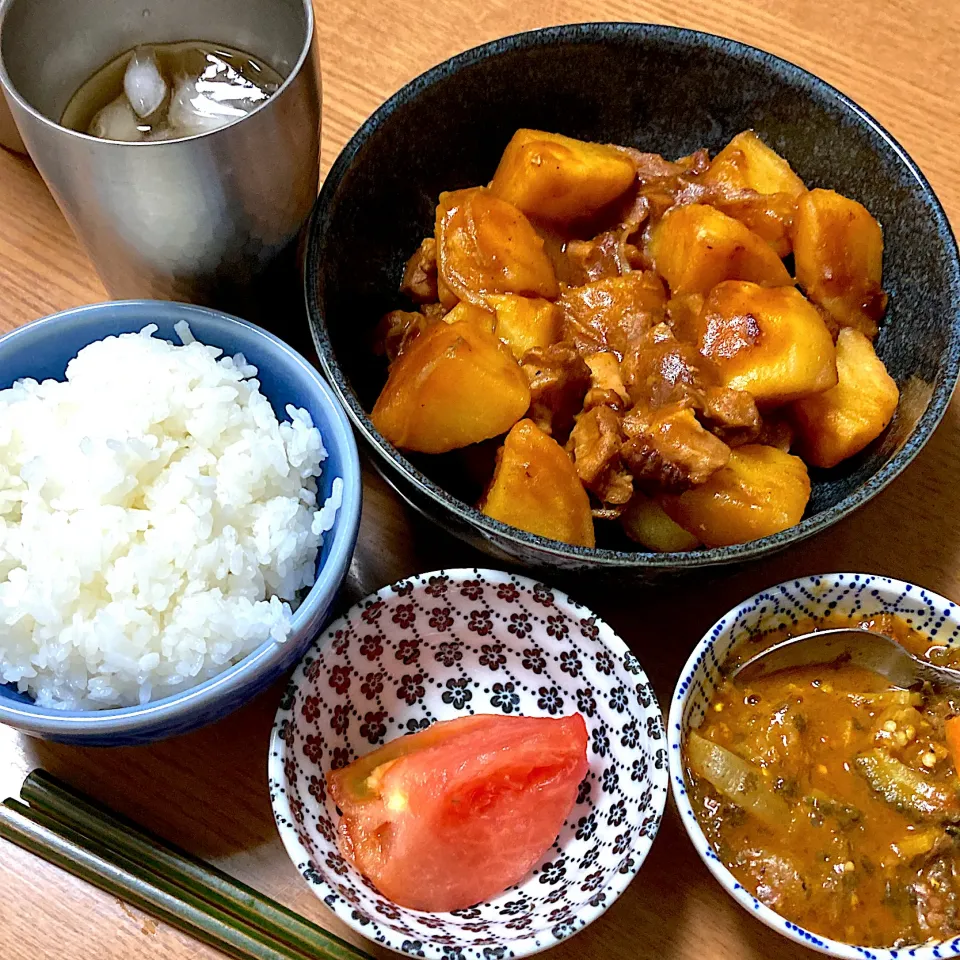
(392, 462)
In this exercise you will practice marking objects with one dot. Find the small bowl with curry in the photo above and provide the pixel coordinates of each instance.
(825, 799)
(632, 298)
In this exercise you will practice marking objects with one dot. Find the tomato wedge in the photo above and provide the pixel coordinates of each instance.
(455, 814)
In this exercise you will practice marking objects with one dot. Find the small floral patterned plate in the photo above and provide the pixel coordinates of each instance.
(445, 645)
(829, 594)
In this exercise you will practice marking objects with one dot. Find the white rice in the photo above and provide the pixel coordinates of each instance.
(157, 522)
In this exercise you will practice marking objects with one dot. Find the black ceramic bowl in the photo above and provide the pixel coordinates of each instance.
(660, 89)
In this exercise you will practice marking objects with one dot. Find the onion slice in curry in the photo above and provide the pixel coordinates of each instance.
(736, 779)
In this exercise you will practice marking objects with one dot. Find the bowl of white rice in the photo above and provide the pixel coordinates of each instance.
(179, 503)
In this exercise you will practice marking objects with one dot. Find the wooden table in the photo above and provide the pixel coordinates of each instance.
(208, 790)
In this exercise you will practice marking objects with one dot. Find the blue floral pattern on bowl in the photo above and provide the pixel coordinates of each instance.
(840, 594)
(454, 643)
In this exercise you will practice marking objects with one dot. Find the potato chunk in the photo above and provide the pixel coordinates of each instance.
(769, 341)
(841, 422)
(645, 522)
(747, 163)
(695, 247)
(525, 322)
(760, 491)
(454, 385)
(535, 487)
(553, 177)
(838, 248)
(448, 299)
(470, 311)
(485, 245)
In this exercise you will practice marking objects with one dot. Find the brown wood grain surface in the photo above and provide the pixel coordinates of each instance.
(207, 791)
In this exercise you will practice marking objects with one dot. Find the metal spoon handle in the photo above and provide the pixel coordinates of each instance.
(864, 648)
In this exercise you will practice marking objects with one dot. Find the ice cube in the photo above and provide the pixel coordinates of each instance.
(143, 83)
(217, 97)
(117, 121)
(191, 112)
(221, 82)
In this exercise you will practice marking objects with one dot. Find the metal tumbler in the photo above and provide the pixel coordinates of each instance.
(211, 219)
(9, 135)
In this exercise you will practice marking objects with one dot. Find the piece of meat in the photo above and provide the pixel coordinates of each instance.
(635, 258)
(612, 314)
(613, 249)
(770, 215)
(778, 882)
(608, 511)
(559, 380)
(696, 163)
(595, 443)
(664, 185)
(397, 330)
(420, 274)
(673, 370)
(652, 166)
(676, 372)
(589, 260)
(602, 397)
(606, 379)
(661, 182)
(776, 430)
(937, 902)
(683, 185)
(631, 213)
(832, 324)
(610, 252)
(433, 311)
(668, 451)
(731, 415)
(659, 362)
(555, 243)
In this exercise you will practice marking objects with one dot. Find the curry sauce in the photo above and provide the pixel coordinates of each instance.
(833, 797)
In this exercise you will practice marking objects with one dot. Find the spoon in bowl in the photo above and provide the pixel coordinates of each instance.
(864, 648)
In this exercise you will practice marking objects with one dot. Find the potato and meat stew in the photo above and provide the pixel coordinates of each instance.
(833, 797)
(627, 326)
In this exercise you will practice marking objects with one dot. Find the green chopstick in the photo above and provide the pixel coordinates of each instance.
(67, 849)
(110, 832)
(47, 794)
